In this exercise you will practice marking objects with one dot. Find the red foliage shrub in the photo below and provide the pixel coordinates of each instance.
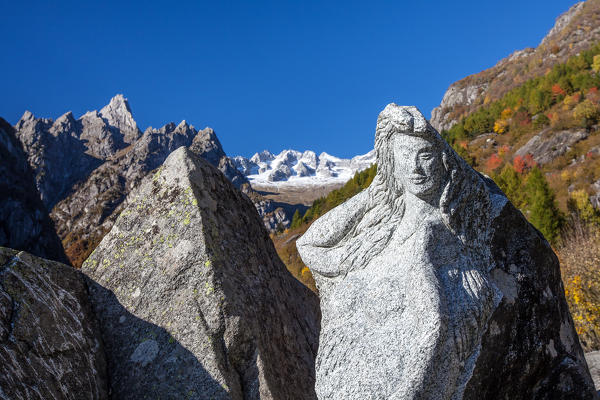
(524, 164)
(593, 95)
(493, 162)
(557, 90)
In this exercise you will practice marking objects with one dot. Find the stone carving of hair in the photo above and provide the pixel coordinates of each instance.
(464, 203)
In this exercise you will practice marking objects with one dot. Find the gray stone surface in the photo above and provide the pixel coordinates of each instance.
(547, 145)
(50, 346)
(57, 154)
(593, 362)
(24, 221)
(191, 296)
(457, 95)
(433, 286)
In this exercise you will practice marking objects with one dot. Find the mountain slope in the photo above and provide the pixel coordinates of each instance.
(574, 31)
(534, 127)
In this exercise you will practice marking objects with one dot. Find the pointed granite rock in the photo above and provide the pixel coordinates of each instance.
(85, 216)
(192, 298)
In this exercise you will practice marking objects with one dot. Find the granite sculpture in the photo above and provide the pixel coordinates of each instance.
(420, 284)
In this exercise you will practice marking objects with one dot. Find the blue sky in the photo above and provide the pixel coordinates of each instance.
(263, 74)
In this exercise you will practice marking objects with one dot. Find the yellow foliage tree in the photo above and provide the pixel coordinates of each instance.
(586, 110)
(596, 63)
(506, 113)
(580, 257)
(580, 204)
(571, 101)
(500, 126)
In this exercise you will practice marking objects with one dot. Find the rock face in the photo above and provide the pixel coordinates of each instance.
(575, 30)
(64, 152)
(192, 299)
(24, 221)
(50, 345)
(433, 286)
(593, 361)
(548, 145)
(57, 154)
(207, 145)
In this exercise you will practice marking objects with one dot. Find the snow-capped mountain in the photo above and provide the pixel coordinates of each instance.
(295, 168)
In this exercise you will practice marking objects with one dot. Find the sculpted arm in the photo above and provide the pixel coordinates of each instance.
(320, 246)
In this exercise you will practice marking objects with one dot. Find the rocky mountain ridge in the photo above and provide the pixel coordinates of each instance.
(295, 168)
(84, 168)
(575, 30)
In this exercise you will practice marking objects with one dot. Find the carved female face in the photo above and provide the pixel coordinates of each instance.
(418, 166)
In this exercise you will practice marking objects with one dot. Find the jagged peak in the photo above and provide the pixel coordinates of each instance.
(90, 114)
(27, 116)
(264, 155)
(206, 134)
(117, 103)
(118, 114)
(68, 116)
(168, 127)
(328, 156)
(28, 119)
(184, 126)
(65, 124)
(65, 120)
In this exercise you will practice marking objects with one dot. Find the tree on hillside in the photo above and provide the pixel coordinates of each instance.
(586, 112)
(596, 63)
(511, 184)
(296, 220)
(581, 208)
(541, 206)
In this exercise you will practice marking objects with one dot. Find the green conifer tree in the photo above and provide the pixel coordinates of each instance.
(541, 206)
(511, 184)
(296, 220)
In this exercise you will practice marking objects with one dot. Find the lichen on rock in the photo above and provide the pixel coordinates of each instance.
(192, 298)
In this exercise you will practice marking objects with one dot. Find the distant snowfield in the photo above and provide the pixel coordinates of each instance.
(292, 168)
